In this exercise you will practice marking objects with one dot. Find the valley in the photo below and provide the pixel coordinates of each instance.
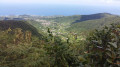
(63, 26)
(60, 41)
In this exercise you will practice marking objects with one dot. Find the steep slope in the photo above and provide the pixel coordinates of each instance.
(4, 25)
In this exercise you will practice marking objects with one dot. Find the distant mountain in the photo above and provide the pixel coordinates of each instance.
(95, 21)
(5, 24)
(93, 17)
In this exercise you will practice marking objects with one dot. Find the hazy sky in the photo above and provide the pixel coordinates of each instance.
(64, 2)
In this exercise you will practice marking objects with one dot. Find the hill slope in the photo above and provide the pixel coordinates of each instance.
(76, 23)
(93, 24)
(4, 25)
(94, 17)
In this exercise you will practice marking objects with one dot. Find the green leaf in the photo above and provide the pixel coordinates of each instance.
(109, 60)
(81, 58)
(113, 44)
(109, 54)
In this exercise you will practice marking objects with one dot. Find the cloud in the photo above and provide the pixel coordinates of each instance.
(67, 2)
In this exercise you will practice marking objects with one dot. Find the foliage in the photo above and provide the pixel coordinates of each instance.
(4, 25)
(20, 48)
(104, 47)
(25, 50)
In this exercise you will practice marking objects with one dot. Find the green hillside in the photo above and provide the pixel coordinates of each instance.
(81, 26)
(24, 25)
(93, 17)
(75, 24)
(61, 46)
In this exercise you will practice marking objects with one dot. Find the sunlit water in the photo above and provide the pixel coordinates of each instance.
(48, 10)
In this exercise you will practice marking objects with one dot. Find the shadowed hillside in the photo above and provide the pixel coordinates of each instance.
(93, 17)
(93, 24)
(4, 25)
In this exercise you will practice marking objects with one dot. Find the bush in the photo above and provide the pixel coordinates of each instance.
(104, 47)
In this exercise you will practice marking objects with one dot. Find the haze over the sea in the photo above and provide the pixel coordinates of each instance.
(58, 7)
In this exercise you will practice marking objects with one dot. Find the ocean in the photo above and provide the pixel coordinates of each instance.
(50, 10)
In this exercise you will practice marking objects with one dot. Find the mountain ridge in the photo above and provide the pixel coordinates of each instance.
(94, 17)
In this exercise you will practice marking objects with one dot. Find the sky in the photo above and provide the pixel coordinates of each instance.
(63, 2)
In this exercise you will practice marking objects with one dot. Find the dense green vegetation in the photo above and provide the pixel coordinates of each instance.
(61, 42)
(63, 25)
(4, 25)
(105, 45)
(20, 48)
(93, 24)
(77, 24)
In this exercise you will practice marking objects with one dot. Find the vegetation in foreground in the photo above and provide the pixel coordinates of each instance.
(20, 48)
